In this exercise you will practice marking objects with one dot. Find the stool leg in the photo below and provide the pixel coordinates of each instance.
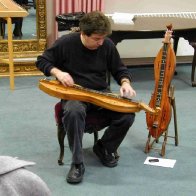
(61, 136)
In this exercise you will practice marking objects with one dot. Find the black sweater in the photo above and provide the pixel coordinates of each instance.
(87, 67)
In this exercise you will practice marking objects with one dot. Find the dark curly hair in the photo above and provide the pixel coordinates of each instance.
(95, 22)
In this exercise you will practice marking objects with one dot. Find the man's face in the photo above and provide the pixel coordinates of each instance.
(93, 41)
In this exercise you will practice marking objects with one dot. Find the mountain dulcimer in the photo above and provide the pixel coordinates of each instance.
(106, 100)
(164, 68)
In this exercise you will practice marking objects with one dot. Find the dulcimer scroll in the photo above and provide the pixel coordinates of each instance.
(106, 100)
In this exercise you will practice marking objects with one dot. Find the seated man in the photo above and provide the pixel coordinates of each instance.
(84, 58)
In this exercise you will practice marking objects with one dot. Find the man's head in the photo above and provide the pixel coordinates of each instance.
(95, 23)
(94, 27)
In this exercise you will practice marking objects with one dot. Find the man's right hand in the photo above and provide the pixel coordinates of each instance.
(64, 77)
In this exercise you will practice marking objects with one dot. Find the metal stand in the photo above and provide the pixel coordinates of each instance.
(149, 144)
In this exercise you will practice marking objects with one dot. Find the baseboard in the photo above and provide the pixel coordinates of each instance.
(150, 60)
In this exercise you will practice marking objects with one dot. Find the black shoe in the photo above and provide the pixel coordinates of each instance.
(106, 158)
(75, 174)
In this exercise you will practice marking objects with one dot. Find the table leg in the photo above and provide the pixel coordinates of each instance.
(10, 50)
(193, 44)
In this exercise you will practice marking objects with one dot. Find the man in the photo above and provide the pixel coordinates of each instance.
(84, 58)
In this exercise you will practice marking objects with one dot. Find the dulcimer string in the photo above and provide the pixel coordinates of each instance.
(108, 94)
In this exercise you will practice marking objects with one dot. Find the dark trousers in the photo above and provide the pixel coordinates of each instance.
(74, 114)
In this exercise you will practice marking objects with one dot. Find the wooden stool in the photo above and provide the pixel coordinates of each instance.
(149, 145)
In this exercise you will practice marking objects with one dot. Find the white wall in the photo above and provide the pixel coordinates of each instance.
(149, 47)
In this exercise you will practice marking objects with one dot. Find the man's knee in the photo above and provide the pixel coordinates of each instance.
(74, 109)
(129, 119)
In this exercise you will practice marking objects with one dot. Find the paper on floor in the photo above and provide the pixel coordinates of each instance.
(160, 162)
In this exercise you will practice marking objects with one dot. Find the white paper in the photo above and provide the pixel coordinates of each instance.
(123, 18)
(161, 162)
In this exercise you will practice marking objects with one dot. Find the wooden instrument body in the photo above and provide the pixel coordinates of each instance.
(105, 100)
(164, 68)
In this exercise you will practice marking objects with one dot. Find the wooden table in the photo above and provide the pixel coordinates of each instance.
(9, 9)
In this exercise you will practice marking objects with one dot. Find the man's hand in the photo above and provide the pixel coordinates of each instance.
(64, 77)
(126, 90)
